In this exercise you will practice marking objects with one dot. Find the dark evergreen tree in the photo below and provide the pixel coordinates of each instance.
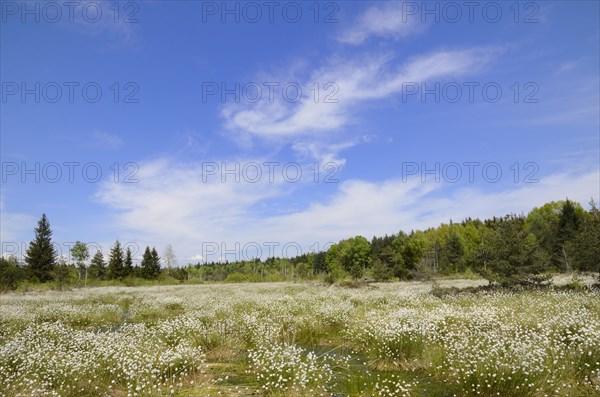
(515, 254)
(319, 264)
(97, 266)
(146, 265)
(584, 247)
(569, 221)
(381, 270)
(128, 264)
(116, 264)
(412, 253)
(452, 254)
(390, 264)
(569, 224)
(155, 262)
(150, 264)
(41, 256)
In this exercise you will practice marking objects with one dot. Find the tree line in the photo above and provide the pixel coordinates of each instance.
(560, 236)
(43, 265)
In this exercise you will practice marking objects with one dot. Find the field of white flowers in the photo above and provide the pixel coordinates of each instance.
(299, 340)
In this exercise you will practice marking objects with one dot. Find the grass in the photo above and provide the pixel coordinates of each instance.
(284, 339)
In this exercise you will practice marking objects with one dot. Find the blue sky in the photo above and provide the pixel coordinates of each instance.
(403, 87)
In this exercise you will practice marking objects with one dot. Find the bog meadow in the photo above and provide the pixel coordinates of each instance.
(299, 198)
(390, 317)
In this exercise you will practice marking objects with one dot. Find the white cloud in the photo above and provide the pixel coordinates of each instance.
(326, 153)
(370, 78)
(567, 66)
(174, 200)
(392, 20)
(117, 22)
(107, 140)
(344, 84)
(172, 204)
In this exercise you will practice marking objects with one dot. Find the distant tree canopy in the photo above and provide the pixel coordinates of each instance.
(560, 236)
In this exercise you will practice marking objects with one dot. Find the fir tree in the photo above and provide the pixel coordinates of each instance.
(155, 263)
(128, 264)
(568, 226)
(97, 266)
(116, 265)
(149, 264)
(585, 247)
(41, 257)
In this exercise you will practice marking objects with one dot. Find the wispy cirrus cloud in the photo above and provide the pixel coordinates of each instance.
(391, 20)
(346, 82)
(116, 23)
(367, 79)
(327, 153)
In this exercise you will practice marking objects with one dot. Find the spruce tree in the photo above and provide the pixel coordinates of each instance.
(569, 221)
(41, 256)
(97, 266)
(128, 264)
(155, 263)
(116, 265)
(585, 246)
(568, 226)
(147, 264)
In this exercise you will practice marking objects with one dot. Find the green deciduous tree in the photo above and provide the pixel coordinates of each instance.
(80, 254)
(11, 274)
(413, 251)
(333, 260)
(64, 275)
(302, 270)
(355, 255)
